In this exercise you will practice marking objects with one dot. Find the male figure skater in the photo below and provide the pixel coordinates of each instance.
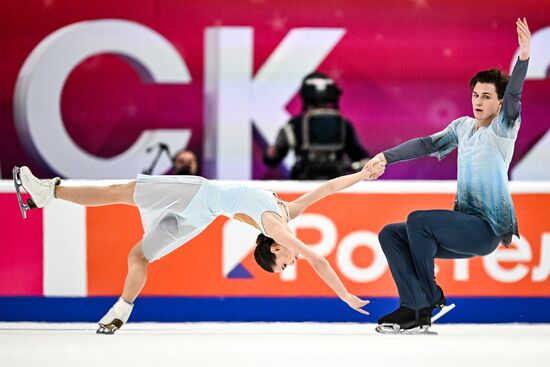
(483, 215)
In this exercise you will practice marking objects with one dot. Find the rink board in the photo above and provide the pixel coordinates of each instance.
(248, 309)
(71, 262)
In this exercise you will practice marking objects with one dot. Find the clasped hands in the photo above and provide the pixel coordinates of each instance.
(375, 167)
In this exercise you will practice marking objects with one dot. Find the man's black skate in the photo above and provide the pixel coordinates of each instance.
(441, 300)
(404, 321)
(18, 185)
(441, 304)
(425, 314)
(401, 320)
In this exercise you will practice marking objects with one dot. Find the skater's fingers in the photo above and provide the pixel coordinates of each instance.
(362, 311)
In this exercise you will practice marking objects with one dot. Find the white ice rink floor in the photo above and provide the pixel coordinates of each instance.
(272, 344)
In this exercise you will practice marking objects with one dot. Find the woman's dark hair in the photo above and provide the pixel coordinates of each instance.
(493, 76)
(262, 254)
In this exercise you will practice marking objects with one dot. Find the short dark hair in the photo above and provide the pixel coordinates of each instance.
(262, 254)
(494, 76)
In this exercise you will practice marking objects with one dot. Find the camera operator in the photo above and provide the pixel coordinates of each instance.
(185, 163)
(320, 136)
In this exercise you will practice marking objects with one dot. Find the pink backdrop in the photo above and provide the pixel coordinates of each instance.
(403, 65)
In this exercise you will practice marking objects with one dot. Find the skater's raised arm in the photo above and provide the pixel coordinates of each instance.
(512, 95)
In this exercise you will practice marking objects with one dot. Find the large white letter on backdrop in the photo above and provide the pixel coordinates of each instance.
(233, 99)
(40, 85)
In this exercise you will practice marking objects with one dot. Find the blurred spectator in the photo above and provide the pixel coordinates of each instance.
(186, 163)
(324, 141)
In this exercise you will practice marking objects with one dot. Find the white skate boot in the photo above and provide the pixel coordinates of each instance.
(115, 317)
(41, 191)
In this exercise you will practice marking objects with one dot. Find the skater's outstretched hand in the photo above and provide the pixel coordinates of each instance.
(524, 39)
(356, 303)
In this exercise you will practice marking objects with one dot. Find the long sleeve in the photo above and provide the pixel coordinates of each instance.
(512, 95)
(408, 150)
(439, 144)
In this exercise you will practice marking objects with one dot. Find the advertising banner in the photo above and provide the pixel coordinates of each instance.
(69, 251)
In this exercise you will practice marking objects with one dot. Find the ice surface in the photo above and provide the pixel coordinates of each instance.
(272, 344)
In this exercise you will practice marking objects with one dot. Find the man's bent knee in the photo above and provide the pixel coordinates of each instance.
(417, 217)
(387, 234)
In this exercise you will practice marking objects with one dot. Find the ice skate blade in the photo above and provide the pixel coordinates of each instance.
(106, 330)
(17, 183)
(392, 329)
(15, 174)
(444, 310)
(109, 329)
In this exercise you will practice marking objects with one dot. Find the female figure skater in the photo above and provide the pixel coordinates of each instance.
(174, 209)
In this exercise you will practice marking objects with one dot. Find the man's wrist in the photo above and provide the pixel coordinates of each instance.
(383, 159)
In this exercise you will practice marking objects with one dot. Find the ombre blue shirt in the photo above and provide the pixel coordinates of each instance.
(484, 156)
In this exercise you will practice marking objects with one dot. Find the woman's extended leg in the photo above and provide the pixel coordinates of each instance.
(97, 195)
(42, 191)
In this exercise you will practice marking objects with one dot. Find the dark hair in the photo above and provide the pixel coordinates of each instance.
(494, 76)
(262, 254)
